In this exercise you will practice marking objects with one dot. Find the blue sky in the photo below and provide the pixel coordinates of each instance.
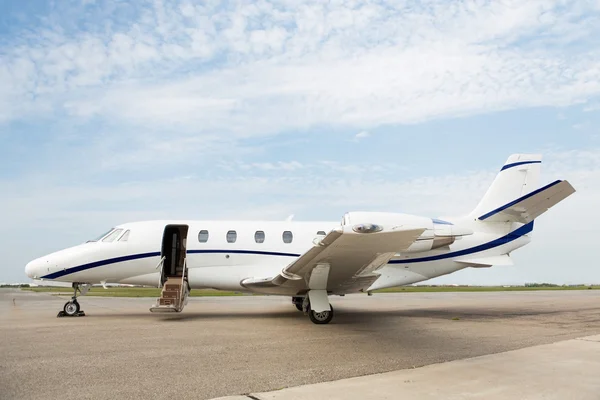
(115, 111)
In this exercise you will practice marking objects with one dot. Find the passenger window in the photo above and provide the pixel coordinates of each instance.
(203, 236)
(288, 237)
(125, 236)
(321, 233)
(231, 236)
(259, 237)
(112, 236)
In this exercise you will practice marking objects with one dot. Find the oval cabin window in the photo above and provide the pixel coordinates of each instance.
(288, 237)
(231, 236)
(203, 236)
(259, 237)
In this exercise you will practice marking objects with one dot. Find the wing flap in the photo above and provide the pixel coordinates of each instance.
(354, 248)
(346, 253)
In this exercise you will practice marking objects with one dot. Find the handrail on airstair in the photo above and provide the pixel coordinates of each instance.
(160, 264)
(162, 260)
(181, 299)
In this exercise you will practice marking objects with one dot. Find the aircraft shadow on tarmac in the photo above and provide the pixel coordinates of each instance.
(342, 315)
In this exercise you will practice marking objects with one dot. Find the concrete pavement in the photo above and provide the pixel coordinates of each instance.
(563, 370)
(255, 344)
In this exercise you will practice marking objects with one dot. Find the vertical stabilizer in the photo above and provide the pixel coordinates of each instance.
(519, 176)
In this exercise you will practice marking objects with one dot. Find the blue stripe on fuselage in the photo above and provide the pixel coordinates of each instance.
(100, 263)
(256, 252)
(516, 234)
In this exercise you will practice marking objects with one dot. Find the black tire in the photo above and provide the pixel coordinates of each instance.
(71, 308)
(321, 318)
(298, 301)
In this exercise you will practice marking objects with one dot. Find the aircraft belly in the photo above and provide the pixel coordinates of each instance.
(145, 280)
(227, 277)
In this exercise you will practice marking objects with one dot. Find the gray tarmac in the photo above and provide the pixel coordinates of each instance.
(222, 346)
(568, 369)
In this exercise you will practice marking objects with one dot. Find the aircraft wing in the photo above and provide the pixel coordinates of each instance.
(341, 258)
(532, 205)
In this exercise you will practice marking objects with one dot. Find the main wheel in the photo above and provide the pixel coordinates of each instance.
(71, 308)
(321, 318)
(298, 306)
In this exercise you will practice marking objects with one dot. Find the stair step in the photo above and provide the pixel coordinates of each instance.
(173, 285)
(162, 309)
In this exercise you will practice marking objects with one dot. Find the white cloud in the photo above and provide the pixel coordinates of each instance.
(592, 107)
(580, 125)
(194, 82)
(361, 135)
(267, 67)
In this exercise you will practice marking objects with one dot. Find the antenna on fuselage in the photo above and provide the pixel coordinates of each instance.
(291, 217)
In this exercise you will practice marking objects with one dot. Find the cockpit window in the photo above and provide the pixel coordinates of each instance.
(113, 235)
(101, 236)
(125, 236)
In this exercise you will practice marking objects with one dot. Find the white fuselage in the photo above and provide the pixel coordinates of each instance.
(221, 264)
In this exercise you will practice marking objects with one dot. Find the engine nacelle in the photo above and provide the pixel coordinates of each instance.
(437, 233)
(442, 235)
(386, 221)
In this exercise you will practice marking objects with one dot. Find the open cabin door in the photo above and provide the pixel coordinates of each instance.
(174, 250)
(173, 274)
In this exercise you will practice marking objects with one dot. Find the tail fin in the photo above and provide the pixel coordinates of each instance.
(518, 177)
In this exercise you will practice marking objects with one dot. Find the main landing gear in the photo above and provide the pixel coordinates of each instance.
(297, 301)
(319, 318)
(72, 307)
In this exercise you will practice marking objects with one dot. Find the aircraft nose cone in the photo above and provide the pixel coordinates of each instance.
(29, 269)
(32, 269)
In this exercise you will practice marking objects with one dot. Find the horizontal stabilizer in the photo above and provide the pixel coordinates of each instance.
(484, 262)
(527, 208)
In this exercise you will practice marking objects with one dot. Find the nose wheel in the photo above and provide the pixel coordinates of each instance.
(72, 307)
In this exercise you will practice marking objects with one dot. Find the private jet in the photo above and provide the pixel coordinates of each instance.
(308, 261)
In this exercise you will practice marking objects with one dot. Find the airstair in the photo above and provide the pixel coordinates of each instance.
(175, 292)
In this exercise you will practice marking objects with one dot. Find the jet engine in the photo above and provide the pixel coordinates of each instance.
(437, 233)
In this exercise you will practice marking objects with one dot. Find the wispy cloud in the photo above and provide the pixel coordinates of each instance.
(592, 107)
(267, 67)
(361, 135)
(107, 106)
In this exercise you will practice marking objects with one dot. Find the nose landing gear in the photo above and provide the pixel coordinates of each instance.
(72, 308)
